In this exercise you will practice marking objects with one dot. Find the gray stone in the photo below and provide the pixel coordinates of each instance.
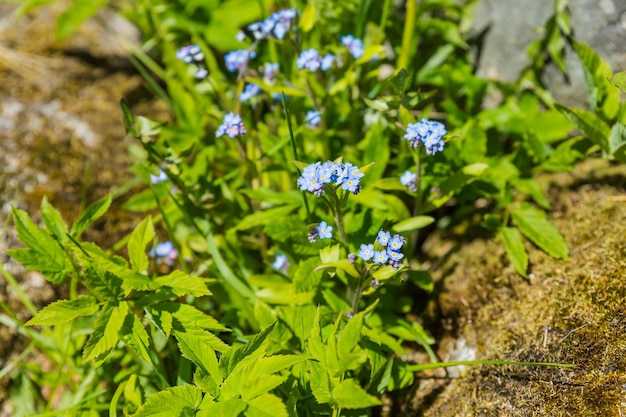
(513, 24)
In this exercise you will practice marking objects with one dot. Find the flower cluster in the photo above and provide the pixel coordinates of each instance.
(428, 132)
(237, 60)
(249, 91)
(192, 54)
(355, 46)
(232, 125)
(386, 249)
(277, 25)
(409, 179)
(344, 175)
(311, 59)
(322, 231)
(164, 252)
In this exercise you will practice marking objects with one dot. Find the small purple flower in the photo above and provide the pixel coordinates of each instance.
(309, 59)
(355, 45)
(380, 257)
(366, 252)
(313, 118)
(312, 236)
(281, 263)
(351, 258)
(160, 177)
(237, 60)
(249, 91)
(270, 70)
(409, 179)
(232, 125)
(327, 62)
(190, 54)
(164, 252)
(325, 231)
(375, 283)
(427, 132)
(383, 237)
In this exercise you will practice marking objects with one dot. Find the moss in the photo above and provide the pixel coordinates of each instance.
(568, 312)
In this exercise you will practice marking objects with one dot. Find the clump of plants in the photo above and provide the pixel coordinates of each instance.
(313, 148)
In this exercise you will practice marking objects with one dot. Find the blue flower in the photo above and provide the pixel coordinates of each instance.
(366, 252)
(201, 73)
(249, 91)
(428, 132)
(380, 257)
(325, 231)
(160, 177)
(270, 70)
(327, 62)
(281, 263)
(393, 255)
(355, 45)
(237, 60)
(313, 118)
(346, 176)
(309, 59)
(232, 125)
(396, 243)
(164, 252)
(190, 54)
(277, 25)
(383, 237)
(408, 179)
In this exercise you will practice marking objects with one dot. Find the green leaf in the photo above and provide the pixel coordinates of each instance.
(183, 284)
(491, 222)
(139, 239)
(589, 124)
(350, 336)
(535, 226)
(389, 184)
(531, 187)
(189, 316)
(200, 353)
(63, 311)
(320, 383)
(377, 105)
(261, 218)
(256, 346)
(307, 276)
(349, 395)
(343, 264)
(307, 19)
(619, 80)
(174, 401)
(228, 408)
(515, 249)
(45, 253)
(617, 142)
(266, 405)
(93, 212)
(414, 223)
(104, 284)
(105, 330)
(422, 279)
(53, 221)
(134, 335)
(79, 11)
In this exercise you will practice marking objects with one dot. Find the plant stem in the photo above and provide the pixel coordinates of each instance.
(339, 222)
(357, 293)
(407, 34)
(417, 207)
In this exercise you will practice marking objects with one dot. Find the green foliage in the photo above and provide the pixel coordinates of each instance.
(211, 323)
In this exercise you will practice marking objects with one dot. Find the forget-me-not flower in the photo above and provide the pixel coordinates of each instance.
(312, 118)
(367, 252)
(276, 25)
(346, 176)
(355, 45)
(408, 179)
(325, 231)
(249, 91)
(237, 60)
(427, 132)
(164, 252)
(232, 126)
(190, 54)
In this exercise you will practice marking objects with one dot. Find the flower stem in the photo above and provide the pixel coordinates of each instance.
(357, 292)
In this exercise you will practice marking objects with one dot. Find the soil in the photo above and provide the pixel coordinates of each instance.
(567, 312)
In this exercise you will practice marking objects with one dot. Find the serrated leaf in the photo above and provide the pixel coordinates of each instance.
(93, 212)
(536, 227)
(619, 80)
(173, 401)
(617, 142)
(53, 221)
(414, 223)
(139, 239)
(189, 316)
(135, 336)
(349, 395)
(350, 335)
(183, 284)
(200, 353)
(267, 405)
(103, 284)
(63, 311)
(255, 347)
(589, 124)
(515, 249)
(228, 408)
(105, 330)
(320, 383)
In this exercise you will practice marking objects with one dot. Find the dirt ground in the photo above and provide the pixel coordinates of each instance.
(567, 312)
